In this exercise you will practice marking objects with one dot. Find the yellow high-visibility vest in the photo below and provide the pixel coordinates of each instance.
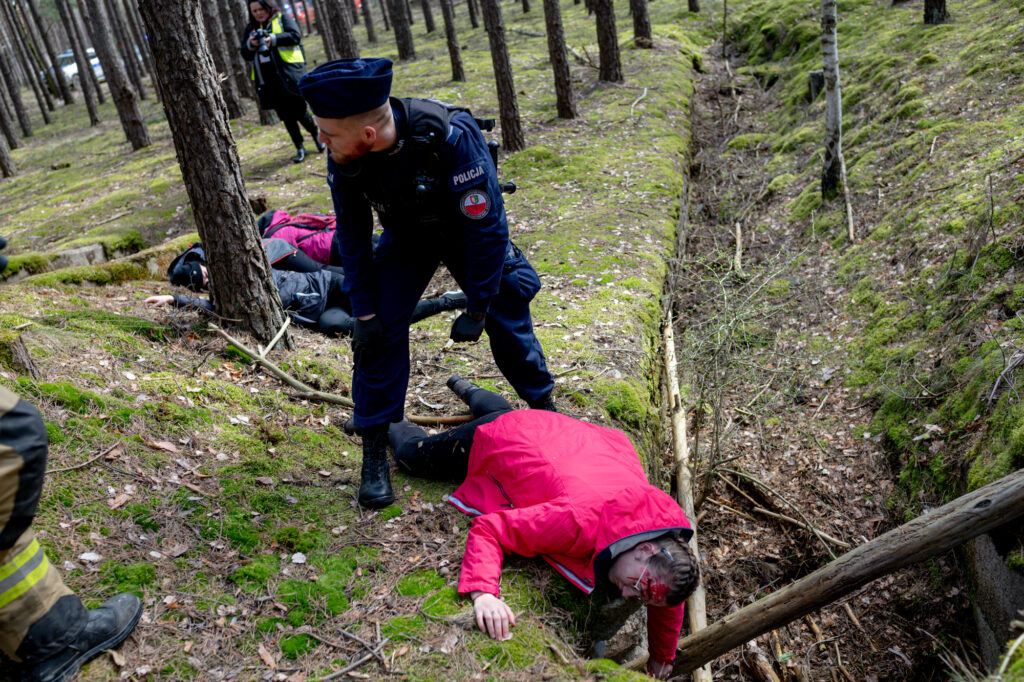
(290, 54)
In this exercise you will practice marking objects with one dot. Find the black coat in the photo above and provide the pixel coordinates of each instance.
(281, 82)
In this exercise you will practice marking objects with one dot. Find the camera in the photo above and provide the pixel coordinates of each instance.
(260, 34)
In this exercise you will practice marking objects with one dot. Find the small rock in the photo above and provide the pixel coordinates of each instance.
(298, 558)
(89, 557)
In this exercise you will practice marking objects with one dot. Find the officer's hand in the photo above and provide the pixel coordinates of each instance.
(3, 259)
(657, 670)
(493, 615)
(367, 339)
(467, 328)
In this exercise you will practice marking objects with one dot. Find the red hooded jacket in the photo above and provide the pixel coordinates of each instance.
(541, 483)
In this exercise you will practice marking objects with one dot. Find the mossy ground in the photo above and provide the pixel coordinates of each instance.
(230, 506)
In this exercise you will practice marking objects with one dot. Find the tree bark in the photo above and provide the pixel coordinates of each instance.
(18, 39)
(641, 24)
(7, 126)
(930, 534)
(407, 4)
(830, 172)
(565, 100)
(473, 20)
(14, 90)
(526, 6)
(85, 40)
(58, 73)
(81, 60)
(138, 35)
(240, 279)
(428, 16)
(307, 25)
(403, 31)
(353, 11)
(454, 54)
(371, 33)
(229, 12)
(125, 46)
(935, 12)
(508, 105)
(327, 28)
(125, 101)
(609, 58)
(384, 13)
(693, 5)
(6, 162)
(215, 42)
(344, 37)
(34, 54)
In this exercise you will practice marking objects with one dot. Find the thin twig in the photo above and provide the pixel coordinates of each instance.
(87, 462)
(277, 336)
(348, 668)
(635, 102)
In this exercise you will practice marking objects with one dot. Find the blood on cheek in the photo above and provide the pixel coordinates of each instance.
(652, 592)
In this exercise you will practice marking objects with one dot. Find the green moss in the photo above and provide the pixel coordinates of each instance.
(128, 577)
(106, 273)
(781, 182)
(29, 262)
(419, 583)
(625, 401)
(805, 204)
(612, 671)
(746, 141)
(408, 627)
(390, 512)
(254, 575)
(294, 646)
(64, 394)
(926, 59)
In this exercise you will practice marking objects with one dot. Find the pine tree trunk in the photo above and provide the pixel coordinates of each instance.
(353, 11)
(385, 13)
(428, 16)
(18, 39)
(341, 29)
(81, 60)
(35, 58)
(58, 73)
(831, 169)
(138, 36)
(508, 105)
(371, 33)
(641, 24)
(14, 90)
(564, 98)
(473, 20)
(403, 32)
(7, 126)
(407, 4)
(125, 47)
(448, 16)
(232, 39)
(6, 162)
(307, 26)
(609, 59)
(694, 5)
(327, 28)
(935, 12)
(240, 277)
(85, 40)
(120, 91)
(215, 43)
(526, 6)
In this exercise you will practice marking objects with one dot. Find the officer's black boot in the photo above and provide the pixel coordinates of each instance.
(462, 388)
(108, 626)
(300, 154)
(545, 402)
(453, 300)
(320, 146)
(375, 487)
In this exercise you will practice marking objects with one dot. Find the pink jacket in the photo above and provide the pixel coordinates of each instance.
(541, 483)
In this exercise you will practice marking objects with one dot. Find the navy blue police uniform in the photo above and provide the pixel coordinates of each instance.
(449, 213)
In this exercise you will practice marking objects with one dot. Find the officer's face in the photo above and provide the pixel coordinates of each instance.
(345, 140)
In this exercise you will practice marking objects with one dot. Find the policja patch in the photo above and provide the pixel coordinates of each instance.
(475, 204)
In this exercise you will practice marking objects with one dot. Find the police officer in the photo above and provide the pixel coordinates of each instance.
(425, 168)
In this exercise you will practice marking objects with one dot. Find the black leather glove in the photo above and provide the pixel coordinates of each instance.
(467, 327)
(3, 259)
(367, 340)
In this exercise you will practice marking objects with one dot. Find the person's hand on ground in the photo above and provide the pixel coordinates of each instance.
(467, 327)
(157, 301)
(493, 615)
(659, 671)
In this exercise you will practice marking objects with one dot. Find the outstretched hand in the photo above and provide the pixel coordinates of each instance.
(157, 301)
(659, 671)
(493, 616)
(467, 327)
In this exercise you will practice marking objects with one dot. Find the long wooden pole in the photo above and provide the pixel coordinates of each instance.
(926, 536)
(696, 609)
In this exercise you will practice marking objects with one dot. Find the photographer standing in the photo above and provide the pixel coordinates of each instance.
(273, 43)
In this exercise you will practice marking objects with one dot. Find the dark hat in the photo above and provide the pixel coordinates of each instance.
(188, 274)
(347, 86)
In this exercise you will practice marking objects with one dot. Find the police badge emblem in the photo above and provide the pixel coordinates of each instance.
(475, 204)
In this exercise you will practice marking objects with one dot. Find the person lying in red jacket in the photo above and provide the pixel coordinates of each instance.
(544, 484)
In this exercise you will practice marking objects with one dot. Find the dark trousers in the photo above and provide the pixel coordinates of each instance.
(337, 320)
(445, 456)
(292, 123)
(402, 270)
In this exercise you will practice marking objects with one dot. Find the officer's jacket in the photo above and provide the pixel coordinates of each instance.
(288, 57)
(463, 208)
(544, 484)
(303, 294)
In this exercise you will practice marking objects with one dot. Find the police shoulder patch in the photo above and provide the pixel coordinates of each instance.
(469, 174)
(475, 204)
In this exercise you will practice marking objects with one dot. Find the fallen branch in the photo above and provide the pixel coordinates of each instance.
(696, 609)
(307, 392)
(737, 261)
(846, 197)
(277, 336)
(86, 462)
(349, 668)
(931, 534)
(856, 621)
(635, 102)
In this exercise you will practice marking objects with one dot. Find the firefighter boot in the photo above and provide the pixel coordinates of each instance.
(462, 388)
(108, 625)
(375, 487)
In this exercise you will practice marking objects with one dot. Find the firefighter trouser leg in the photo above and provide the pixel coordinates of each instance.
(39, 615)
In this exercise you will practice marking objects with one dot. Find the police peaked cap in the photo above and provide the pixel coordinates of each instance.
(346, 87)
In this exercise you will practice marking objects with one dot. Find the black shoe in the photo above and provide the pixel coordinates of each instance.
(453, 300)
(461, 387)
(108, 626)
(3, 243)
(544, 403)
(320, 146)
(375, 485)
(300, 155)
(351, 428)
